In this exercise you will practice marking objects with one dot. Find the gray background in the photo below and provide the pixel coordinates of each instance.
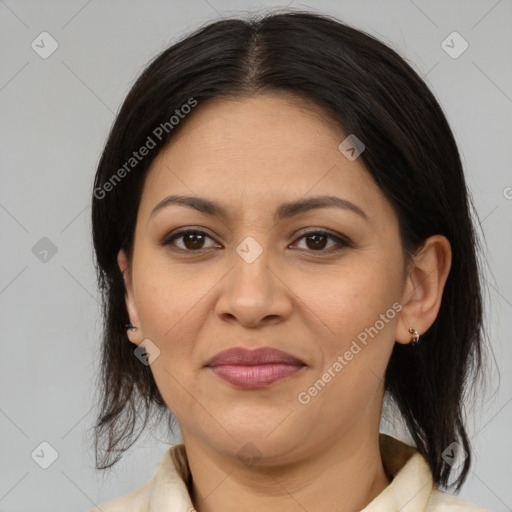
(56, 113)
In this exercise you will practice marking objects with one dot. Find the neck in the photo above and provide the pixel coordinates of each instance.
(344, 476)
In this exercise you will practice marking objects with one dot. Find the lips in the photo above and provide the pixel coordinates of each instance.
(254, 369)
(243, 356)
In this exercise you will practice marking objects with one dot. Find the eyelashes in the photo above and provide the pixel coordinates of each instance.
(197, 237)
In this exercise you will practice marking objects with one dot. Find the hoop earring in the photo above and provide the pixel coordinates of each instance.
(415, 336)
(131, 327)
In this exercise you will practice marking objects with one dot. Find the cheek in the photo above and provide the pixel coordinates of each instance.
(358, 312)
(354, 355)
(170, 299)
(346, 303)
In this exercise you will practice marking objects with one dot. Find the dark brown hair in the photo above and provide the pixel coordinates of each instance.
(370, 91)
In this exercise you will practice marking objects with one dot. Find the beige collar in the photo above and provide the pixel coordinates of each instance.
(410, 490)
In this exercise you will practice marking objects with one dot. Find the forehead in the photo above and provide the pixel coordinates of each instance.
(257, 151)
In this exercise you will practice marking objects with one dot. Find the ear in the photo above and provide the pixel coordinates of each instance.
(423, 289)
(135, 337)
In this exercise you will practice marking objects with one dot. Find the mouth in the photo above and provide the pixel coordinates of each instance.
(254, 369)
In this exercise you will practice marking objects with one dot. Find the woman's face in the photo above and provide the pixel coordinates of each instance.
(255, 280)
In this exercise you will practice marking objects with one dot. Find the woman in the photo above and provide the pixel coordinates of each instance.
(283, 239)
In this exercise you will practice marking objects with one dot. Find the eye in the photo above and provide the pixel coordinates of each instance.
(316, 241)
(192, 240)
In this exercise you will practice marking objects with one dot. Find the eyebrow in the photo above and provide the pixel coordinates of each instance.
(284, 211)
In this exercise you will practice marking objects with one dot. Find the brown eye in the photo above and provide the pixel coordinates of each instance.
(192, 240)
(316, 241)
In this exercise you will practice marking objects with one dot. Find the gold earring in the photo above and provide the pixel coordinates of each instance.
(131, 327)
(415, 337)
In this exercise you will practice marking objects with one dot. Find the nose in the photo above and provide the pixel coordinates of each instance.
(254, 292)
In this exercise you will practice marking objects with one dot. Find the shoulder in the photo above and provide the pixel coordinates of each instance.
(167, 485)
(443, 502)
(412, 485)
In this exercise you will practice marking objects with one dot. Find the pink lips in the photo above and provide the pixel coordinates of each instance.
(253, 369)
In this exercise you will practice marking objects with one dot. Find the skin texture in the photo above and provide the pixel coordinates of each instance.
(251, 155)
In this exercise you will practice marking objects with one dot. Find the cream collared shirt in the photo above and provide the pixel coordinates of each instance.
(411, 489)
